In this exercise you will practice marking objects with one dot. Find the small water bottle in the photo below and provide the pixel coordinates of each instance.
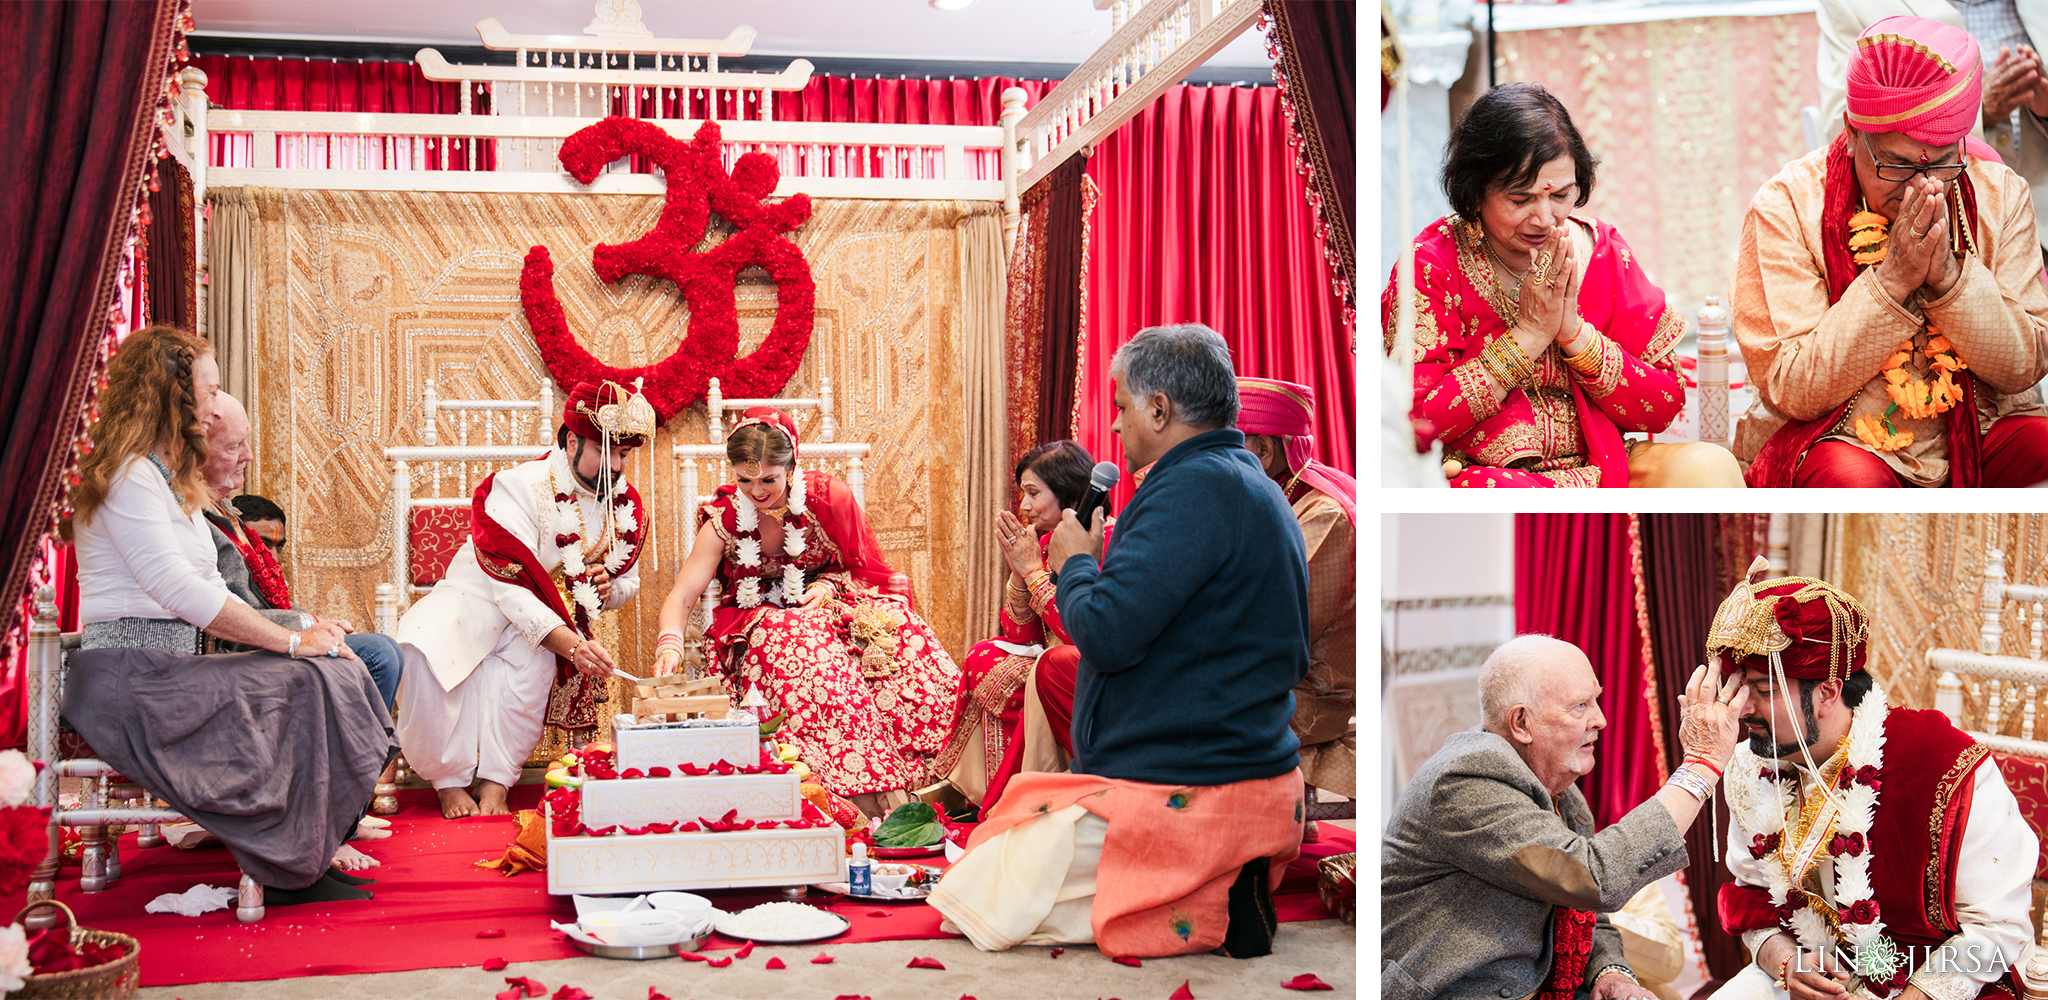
(859, 874)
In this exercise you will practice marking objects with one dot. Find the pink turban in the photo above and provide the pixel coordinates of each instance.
(1288, 411)
(1916, 76)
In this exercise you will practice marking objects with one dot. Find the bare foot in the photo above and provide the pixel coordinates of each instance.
(370, 833)
(494, 803)
(349, 859)
(456, 803)
(373, 822)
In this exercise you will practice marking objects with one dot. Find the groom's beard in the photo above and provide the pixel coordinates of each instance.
(600, 484)
(1761, 745)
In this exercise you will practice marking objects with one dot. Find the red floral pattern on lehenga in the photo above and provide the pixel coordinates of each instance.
(858, 734)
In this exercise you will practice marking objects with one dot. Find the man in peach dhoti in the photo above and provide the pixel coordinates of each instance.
(1887, 293)
(1279, 420)
(503, 646)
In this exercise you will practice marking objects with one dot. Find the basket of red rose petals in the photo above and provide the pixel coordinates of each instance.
(1334, 881)
(77, 963)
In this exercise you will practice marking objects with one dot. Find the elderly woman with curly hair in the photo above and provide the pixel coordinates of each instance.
(276, 751)
(1539, 338)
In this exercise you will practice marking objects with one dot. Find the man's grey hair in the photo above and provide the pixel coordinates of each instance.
(1190, 364)
(1508, 679)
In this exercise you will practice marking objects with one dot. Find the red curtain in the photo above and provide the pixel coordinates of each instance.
(83, 82)
(170, 248)
(242, 84)
(1574, 580)
(1203, 218)
(1061, 336)
(1686, 558)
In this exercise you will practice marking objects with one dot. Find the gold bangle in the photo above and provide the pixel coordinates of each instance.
(1588, 363)
(1505, 360)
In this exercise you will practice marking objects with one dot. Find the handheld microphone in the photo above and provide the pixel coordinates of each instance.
(1100, 482)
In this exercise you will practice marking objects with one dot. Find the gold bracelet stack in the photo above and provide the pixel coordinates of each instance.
(1506, 362)
(1588, 362)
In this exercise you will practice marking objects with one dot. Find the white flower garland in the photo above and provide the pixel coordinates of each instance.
(566, 526)
(747, 547)
(1761, 807)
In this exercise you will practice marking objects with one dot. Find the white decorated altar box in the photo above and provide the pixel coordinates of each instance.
(660, 746)
(660, 861)
(640, 801)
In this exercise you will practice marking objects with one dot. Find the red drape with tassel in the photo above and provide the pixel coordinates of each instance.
(1203, 218)
(1574, 580)
(83, 81)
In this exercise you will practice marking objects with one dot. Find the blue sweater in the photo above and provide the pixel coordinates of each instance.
(1194, 629)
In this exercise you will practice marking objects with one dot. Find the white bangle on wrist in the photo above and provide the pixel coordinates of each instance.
(291, 647)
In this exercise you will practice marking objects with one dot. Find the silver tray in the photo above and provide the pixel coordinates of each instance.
(640, 952)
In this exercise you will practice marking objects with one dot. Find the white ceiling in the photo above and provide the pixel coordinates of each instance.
(1042, 31)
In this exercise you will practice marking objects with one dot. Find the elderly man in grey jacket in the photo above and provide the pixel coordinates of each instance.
(1492, 880)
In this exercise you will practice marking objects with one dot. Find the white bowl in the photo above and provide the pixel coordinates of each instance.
(890, 877)
(649, 927)
(696, 911)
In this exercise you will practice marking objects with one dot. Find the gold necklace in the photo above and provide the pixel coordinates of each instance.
(1495, 255)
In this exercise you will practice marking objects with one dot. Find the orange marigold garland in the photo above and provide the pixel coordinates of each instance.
(1869, 235)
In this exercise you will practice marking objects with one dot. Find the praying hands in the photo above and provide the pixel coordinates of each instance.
(2015, 78)
(1918, 242)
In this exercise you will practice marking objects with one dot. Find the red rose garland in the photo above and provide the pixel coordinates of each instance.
(698, 185)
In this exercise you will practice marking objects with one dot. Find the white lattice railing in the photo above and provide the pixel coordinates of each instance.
(2000, 683)
(1157, 47)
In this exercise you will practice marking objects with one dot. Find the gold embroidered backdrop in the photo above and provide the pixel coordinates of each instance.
(1688, 118)
(368, 294)
(1920, 576)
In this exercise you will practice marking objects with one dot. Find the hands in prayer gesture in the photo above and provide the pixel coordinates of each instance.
(1710, 714)
(1550, 295)
(2015, 79)
(1918, 243)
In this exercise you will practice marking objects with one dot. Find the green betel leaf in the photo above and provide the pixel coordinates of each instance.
(913, 824)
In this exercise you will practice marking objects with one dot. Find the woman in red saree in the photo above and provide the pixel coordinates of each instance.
(1539, 339)
(805, 615)
(989, 747)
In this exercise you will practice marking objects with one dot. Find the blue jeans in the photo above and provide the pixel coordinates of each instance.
(381, 655)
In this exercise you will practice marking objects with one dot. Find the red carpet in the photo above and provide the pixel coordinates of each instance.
(431, 903)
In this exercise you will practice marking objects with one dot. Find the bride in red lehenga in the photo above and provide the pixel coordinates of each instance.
(803, 614)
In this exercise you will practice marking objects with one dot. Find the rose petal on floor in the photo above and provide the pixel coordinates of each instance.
(1183, 993)
(654, 994)
(718, 963)
(1057, 952)
(774, 963)
(822, 959)
(568, 992)
(490, 934)
(493, 964)
(1306, 981)
(691, 956)
(1128, 960)
(532, 986)
(745, 950)
(926, 963)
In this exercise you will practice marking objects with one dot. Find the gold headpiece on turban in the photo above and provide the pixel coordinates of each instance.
(1814, 629)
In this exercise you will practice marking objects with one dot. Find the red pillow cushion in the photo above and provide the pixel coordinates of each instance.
(2028, 779)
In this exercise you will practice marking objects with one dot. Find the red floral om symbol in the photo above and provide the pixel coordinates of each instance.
(698, 185)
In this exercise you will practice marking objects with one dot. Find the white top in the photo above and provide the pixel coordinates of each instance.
(460, 621)
(141, 556)
(1993, 891)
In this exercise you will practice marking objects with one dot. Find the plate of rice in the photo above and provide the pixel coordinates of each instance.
(783, 923)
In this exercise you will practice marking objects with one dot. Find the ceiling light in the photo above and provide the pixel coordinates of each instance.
(951, 4)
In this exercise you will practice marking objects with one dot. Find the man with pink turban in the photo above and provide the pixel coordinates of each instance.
(1887, 292)
(1278, 420)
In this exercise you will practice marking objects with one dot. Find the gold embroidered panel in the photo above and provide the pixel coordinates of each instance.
(1688, 118)
(372, 293)
(1920, 576)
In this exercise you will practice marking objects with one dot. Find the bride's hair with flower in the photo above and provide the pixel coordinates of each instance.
(759, 444)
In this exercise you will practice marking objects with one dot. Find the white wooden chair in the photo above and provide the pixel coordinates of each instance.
(108, 801)
(1995, 682)
(489, 435)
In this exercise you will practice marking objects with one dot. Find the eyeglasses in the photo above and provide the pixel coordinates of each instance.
(1896, 172)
